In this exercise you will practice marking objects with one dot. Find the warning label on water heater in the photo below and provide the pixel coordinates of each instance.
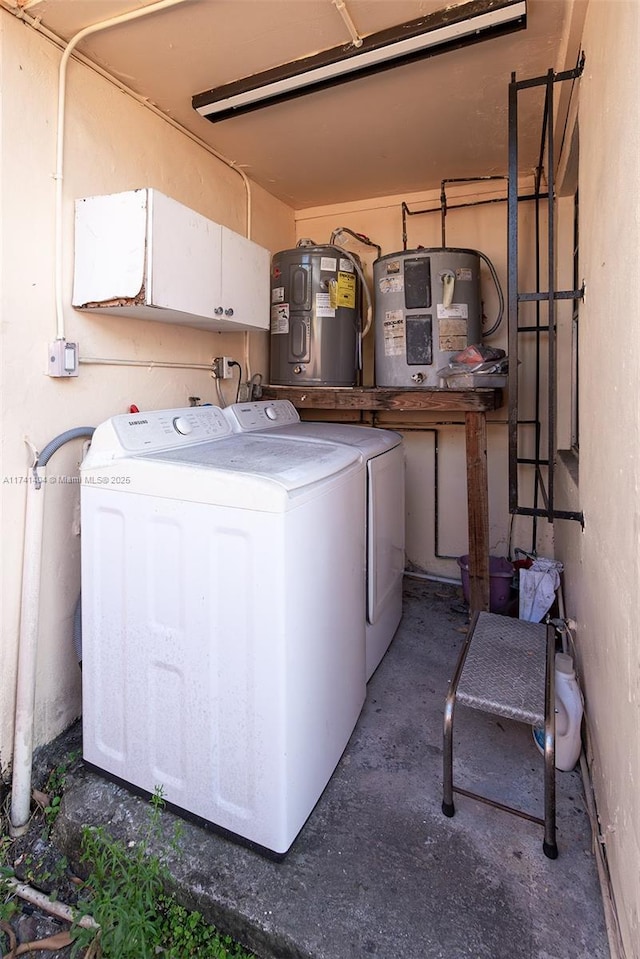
(452, 335)
(454, 311)
(391, 284)
(393, 333)
(323, 305)
(280, 318)
(346, 290)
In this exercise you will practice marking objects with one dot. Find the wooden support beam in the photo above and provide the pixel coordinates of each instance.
(478, 506)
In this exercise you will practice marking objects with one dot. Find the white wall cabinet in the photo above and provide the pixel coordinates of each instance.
(143, 255)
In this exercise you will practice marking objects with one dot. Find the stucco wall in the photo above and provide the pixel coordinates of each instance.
(112, 143)
(602, 565)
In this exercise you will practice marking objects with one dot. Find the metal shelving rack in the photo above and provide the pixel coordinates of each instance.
(541, 329)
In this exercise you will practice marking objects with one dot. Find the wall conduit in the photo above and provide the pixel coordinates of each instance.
(60, 128)
(28, 636)
(69, 49)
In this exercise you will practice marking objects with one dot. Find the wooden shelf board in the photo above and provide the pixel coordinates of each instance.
(384, 398)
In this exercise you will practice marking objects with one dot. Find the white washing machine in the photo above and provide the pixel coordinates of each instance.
(222, 613)
(385, 533)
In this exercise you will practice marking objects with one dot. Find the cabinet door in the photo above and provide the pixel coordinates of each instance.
(110, 245)
(183, 254)
(245, 280)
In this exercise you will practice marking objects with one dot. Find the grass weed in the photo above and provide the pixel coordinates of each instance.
(126, 895)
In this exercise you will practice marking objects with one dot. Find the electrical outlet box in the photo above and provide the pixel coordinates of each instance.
(62, 359)
(222, 367)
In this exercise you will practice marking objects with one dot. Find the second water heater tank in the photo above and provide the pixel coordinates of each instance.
(427, 307)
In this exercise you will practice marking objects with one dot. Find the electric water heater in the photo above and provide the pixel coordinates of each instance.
(427, 307)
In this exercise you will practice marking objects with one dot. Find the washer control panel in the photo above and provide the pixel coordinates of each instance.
(167, 429)
(262, 415)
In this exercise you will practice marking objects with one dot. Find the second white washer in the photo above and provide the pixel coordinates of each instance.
(383, 453)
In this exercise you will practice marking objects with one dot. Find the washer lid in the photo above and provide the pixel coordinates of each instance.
(288, 463)
(280, 418)
(193, 455)
(370, 440)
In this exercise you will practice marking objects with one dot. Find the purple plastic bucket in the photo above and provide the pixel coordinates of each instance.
(500, 579)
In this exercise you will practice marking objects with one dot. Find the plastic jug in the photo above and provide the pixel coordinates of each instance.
(569, 709)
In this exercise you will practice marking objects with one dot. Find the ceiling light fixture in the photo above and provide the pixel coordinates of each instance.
(447, 29)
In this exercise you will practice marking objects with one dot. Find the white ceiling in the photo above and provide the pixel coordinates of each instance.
(399, 132)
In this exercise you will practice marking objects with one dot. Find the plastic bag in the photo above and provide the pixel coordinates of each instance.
(538, 585)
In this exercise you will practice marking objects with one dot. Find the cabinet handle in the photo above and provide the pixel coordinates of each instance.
(228, 312)
(218, 311)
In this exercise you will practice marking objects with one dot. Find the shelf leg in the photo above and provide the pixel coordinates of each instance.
(478, 508)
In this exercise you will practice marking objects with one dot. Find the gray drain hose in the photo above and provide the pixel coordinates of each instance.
(60, 440)
(77, 628)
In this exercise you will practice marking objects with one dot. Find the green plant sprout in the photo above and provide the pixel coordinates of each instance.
(126, 895)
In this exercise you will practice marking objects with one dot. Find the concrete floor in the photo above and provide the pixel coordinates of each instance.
(378, 870)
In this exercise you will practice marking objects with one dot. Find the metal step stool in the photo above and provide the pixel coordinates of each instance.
(507, 667)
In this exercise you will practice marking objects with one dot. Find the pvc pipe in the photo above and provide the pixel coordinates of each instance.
(341, 7)
(431, 578)
(147, 364)
(28, 637)
(27, 653)
(43, 901)
(59, 171)
(58, 175)
(36, 24)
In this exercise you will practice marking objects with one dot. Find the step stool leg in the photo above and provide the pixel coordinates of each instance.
(447, 755)
(549, 846)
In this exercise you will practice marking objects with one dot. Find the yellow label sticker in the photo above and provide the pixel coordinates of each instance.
(346, 292)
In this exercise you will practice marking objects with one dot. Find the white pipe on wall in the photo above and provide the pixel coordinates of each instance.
(32, 550)
(58, 175)
(341, 7)
(147, 364)
(27, 653)
(37, 25)
(34, 22)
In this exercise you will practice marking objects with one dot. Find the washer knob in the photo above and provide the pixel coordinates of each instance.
(271, 413)
(182, 425)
